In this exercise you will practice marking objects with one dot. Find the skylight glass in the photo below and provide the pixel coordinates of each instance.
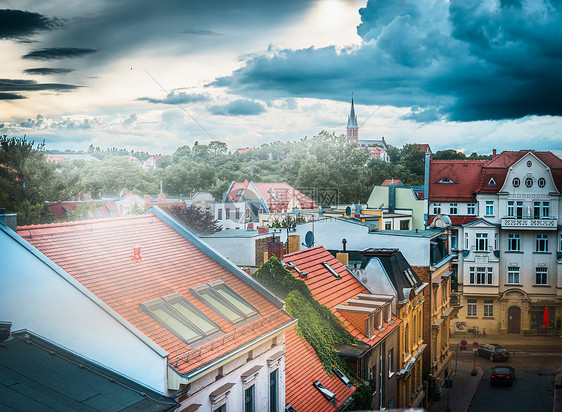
(223, 310)
(194, 317)
(184, 331)
(236, 300)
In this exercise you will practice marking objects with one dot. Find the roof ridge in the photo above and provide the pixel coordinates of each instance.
(83, 222)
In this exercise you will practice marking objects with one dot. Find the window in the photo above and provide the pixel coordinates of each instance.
(445, 180)
(249, 399)
(516, 182)
(342, 377)
(224, 301)
(492, 182)
(273, 385)
(219, 214)
(388, 226)
(541, 209)
(237, 213)
(489, 208)
(390, 361)
(407, 339)
(541, 182)
(324, 391)
(373, 375)
(482, 242)
(180, 317)
(541, 276)
(513, 275)
(488, 307)
(453, 209)
(529, 182)
(454, 235)
(221, 408)
(545, 209)
(495, 241)
(529, 163)
(331, 270)
(514, 242)
(481, 276)
(404, 225)
(436, 208)
(472, 307)
(471, 209)
(227, 213)
(466, 241)
(560, 244)
(542, 243)
(510, 208)
(519, 210)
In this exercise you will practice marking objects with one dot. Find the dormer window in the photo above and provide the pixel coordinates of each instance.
(445, 180)
(331, 396)
(492, 182)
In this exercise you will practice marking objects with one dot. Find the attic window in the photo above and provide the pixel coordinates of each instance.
(300, 272)
(224, 301)
(289, 408)
(240, 192)
(410, 276)
(342, 377)
(180, 317)
(273, 195)
(492, 182)
(328, 394)
(445, 180)
(331, 270)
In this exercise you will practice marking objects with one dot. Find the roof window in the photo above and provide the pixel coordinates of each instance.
(342, 377)
(445, 180)
(328, 394)
(331, 270)
(180, 317)
(224, 301)
(410, 276)
(492, 182)
(240, 192)
(293, 266)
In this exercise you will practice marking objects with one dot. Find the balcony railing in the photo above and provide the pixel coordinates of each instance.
(527, 222)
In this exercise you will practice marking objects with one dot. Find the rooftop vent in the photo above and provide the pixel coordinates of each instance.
(137, 253)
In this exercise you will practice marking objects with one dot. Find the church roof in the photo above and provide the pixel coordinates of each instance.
(352, 120)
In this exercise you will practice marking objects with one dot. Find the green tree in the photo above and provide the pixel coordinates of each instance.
(201, 223)
(216, 147)
(27, 181)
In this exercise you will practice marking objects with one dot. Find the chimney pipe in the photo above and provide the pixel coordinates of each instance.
(137, 253)
(494, 153)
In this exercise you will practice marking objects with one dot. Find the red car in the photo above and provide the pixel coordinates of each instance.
(504, 375)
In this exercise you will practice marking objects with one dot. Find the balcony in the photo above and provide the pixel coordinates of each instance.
(530, 223)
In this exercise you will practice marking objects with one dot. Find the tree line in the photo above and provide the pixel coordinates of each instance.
(325, 161)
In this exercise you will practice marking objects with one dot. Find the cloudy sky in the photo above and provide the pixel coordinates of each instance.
(153, 75)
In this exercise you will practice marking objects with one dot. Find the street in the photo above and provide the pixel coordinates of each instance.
(533, 388)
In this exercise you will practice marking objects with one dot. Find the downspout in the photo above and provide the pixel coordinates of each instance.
(426, 188)
(182, 392)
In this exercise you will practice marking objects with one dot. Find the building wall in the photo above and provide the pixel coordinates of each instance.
(35, 297)
(268, 357)
(232, 222)
(404, 200)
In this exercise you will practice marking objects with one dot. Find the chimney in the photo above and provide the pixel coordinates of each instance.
(493, 152)
(161, 197)
(137, 253)
(275, 248)
(263, 229)
(9, 220)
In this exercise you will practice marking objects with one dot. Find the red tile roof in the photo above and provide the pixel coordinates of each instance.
(456, 220)
(387, 182)
(277, 196)
(463, 173)
(302, 369)
(330, 291)
(99, 254)
(474, 176)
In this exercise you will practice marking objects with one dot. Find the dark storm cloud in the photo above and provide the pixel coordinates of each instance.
(57, 53)
(10, 85)
(15, 24)
(468, 60)
(11, 96)
(241, 107)
(177, 98)
(47, 70)
(200, 32)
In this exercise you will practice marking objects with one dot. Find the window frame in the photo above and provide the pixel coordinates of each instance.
(453, 208)
(472, 307)
(199, 291)
(437, 208)
(513, 273)
(489, 208)
(541, 271)
(251, 406)
(541, 245)
(274, 390)
(514, 242)
(488, 308)
(481, 240)
(471, 208)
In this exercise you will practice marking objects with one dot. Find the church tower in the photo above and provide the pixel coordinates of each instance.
(352, 127)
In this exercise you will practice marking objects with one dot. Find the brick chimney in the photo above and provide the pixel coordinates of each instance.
(146, 198)
(263, 229)
(137, 253)
(275, 248)
(161, 197)
(493, 152)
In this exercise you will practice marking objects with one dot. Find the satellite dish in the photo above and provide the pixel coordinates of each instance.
(348, 211)
(309, 239)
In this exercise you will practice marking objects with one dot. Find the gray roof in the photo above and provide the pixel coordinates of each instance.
(36, 375)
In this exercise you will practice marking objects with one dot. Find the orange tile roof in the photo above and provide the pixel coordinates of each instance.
(99, 254)
(277, 196)
(330, 291)
(302, 369)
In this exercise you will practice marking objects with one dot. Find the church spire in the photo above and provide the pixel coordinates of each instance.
(352, 127)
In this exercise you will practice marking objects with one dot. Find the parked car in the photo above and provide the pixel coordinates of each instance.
(503, 375)
(493, 351)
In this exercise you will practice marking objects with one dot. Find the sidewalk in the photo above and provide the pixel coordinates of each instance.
(514, 343)
(464, 388)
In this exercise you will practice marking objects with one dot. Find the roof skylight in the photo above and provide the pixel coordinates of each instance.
(328, 394)
(445, 180)
(342, 377)
(331, 270)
